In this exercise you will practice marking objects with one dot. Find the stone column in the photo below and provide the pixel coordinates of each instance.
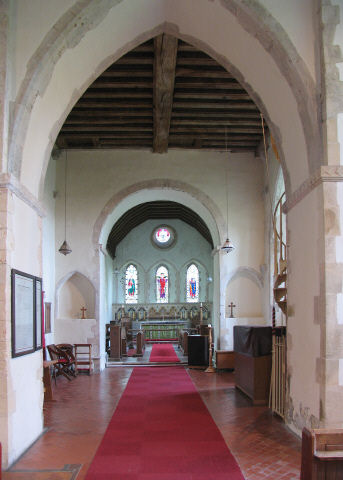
(331, 324)
(331, 304)
(6, 246)
(3, 82)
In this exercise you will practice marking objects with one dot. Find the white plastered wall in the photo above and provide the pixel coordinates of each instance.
(25, 371)
(95, 177)
(303, 339)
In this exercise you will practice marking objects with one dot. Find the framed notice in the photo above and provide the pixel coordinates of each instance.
(26, 313)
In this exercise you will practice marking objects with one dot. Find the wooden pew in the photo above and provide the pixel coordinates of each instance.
(115, 342)
(140, 343)
(322, 454)
(183, 341)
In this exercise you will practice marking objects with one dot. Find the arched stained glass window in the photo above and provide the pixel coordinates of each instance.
(162, 279)
(192, 279)
(131, 284)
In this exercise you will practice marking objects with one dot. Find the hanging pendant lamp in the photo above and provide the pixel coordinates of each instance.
(64, 248)
(228, 245)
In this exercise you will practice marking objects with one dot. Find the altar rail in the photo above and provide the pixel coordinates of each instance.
(159, 332)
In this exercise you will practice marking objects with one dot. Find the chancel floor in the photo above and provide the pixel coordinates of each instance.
(131, 360)
(78, 416)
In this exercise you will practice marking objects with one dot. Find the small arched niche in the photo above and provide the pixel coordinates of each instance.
(77, 292)
(246, 295)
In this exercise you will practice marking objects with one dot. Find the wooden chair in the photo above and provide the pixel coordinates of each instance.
(64, 363)
(69, 350)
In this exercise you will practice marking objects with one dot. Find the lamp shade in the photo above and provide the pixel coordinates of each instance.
(228, 246)
(65, 249)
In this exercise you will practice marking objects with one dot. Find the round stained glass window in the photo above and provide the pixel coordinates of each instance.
(163, 236)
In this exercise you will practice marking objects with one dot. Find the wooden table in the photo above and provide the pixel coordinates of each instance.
(47, 379)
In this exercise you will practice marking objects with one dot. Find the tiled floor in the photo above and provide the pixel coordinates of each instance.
(82, 408)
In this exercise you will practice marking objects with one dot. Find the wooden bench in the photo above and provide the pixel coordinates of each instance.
(322, 454)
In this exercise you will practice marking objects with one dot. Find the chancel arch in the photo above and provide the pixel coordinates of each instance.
(162, 190)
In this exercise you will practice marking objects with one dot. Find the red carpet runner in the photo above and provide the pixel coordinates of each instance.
(163, 353)
(161, 430)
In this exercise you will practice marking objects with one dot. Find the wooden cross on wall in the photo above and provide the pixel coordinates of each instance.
(231, 306)
(83, 310)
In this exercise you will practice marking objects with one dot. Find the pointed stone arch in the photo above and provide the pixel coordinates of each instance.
(83, 288)
(71, 31)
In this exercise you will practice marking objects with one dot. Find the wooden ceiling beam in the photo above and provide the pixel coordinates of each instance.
(133, 61)
(106, 128)
(202, 103)
(187, 62)
(117, 114)
(214, 122)
(205, 138)
(129, 121)
(134, 134)
(165, 47)
(211, 95)
(216, 131)
(128, 72)
(211, 71)
(120, 109)
(125, 102)
(125, 83)
(118, 93)
(205, 83)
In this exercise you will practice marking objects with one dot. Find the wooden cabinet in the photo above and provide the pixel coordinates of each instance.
(198, 350)
(225, 359)
(253, 361)
(252, 376)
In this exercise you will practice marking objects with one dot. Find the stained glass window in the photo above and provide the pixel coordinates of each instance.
(162, 284)
(192, 293)
(131, 284)
(162, 235)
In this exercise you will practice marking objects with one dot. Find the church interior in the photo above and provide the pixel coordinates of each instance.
(171, 194)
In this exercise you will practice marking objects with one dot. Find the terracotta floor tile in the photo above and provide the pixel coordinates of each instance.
(77, 419)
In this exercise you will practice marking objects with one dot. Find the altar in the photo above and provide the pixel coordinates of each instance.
(161, 329)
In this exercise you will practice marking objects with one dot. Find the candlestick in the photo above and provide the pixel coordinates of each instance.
(210, 368)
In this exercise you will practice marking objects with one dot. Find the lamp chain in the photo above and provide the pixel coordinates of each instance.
(227, 186)
(65, 196)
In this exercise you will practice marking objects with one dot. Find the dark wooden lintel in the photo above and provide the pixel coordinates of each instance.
(164, 76)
